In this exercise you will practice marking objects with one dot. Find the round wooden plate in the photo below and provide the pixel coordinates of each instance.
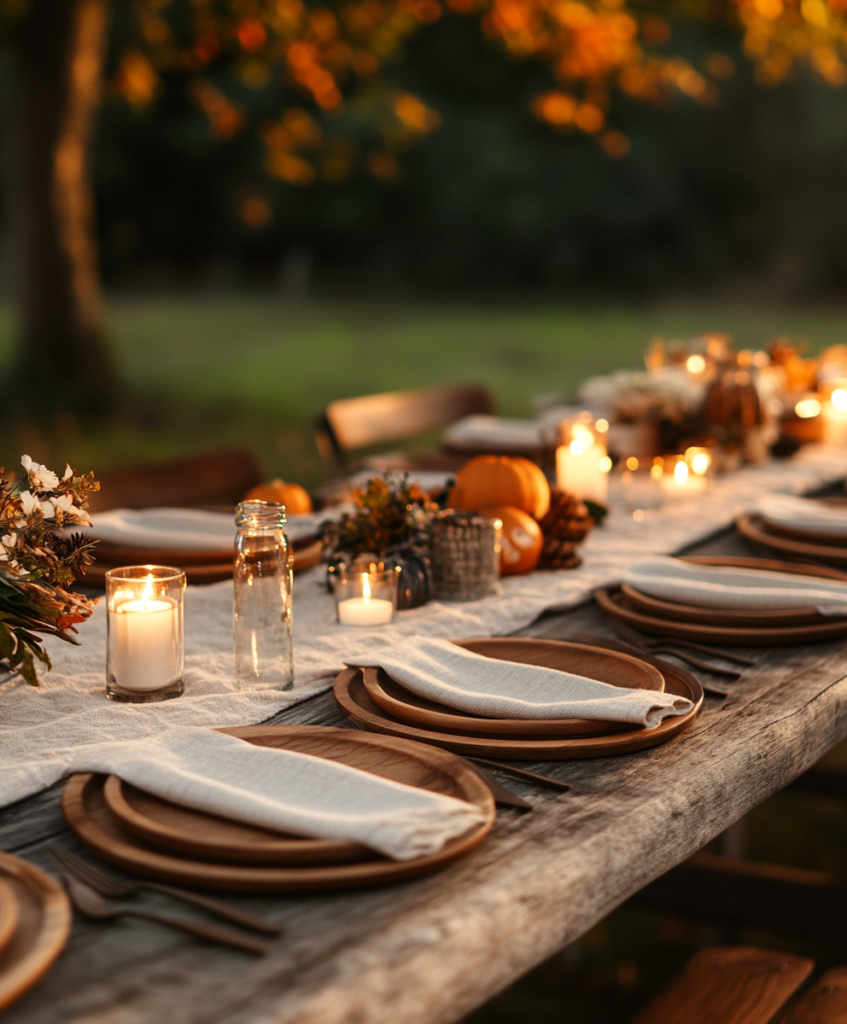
(87, 813)
(812, 536)
(714, 616)
(43, 925)
(754, 528)
(611, 602)
(605, 666)
(184, 830)
(353, 699)
(9, 913)
(200, 567)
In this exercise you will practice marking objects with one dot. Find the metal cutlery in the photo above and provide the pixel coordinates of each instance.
(669, 645)
(107, 885)
(502, 796)
(522, 773)
(93, 905)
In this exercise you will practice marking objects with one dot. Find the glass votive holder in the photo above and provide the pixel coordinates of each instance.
(688, 474)
(642, 486)
(366, 598)
(465, 554)
(145, 633)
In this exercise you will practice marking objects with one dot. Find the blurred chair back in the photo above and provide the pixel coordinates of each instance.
(216, 477)
(394, 415)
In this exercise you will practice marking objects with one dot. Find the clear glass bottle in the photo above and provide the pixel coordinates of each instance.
(264, 652)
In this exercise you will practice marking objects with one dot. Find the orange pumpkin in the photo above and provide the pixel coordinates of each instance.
(295, 498)
(489, 480)
(521, 541)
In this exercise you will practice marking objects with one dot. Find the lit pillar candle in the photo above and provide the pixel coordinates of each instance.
(582, 466)
(835, 417)
(145, 633)
(146, 646)
(365, 610)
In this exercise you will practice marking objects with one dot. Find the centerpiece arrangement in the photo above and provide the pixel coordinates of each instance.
(38, 565)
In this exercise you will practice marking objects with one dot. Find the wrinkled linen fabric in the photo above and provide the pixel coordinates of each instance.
(38, 727)
(187, 529)
(282, 790)
(804, 514)
(447, 674)
(735, 589)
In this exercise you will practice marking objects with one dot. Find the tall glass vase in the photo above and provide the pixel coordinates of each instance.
(264, 652)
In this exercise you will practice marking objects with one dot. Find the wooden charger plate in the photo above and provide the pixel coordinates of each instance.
(9, 914)
(199, 566)
(354, 701)
(43, 923)
(714, 616)
(89, 816)
(605, 666)
(803, 534)
(754, 528)
(209, 837)
(614, 603)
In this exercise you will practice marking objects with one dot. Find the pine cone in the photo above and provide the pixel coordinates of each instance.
(559, 554)
(564, 526)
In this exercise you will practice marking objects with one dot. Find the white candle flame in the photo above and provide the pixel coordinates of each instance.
(366, 587)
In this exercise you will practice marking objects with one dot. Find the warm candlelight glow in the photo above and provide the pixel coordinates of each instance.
(839, 399)
(698, 460)
(364, 609)
(601, 426)
(366, 587)
(632, 463)
(695, 365)
(807, 408)
(680, 472)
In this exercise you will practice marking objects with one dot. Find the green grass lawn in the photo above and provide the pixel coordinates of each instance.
(253, 368)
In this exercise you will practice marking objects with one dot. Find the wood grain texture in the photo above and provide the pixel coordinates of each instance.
(824, 1003)
(430, 951)
(756, 530)
(729, 985)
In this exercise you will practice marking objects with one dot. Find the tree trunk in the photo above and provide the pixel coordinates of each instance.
(63, 352)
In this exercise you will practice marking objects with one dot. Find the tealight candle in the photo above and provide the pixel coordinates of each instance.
(145, 633)
(582, 464)
(687, 474)
(835, 417)
(357, 600)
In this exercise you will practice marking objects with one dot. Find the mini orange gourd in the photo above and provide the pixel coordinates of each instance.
(295, 498)
(521, 541)
(489, 480)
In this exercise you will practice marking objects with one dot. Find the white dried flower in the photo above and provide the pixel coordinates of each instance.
(40, 477)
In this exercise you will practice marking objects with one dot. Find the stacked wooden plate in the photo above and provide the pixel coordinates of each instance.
(795, 542)
(374, 700)
(199, 566)
(689, 622)
(161, 840)
(35, 920)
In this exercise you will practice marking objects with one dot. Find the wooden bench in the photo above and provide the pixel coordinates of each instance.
(355, 423)
(741, 985)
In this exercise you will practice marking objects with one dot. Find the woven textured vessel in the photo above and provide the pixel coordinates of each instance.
(465, 555)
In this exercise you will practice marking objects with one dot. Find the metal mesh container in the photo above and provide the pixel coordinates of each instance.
(465, 555)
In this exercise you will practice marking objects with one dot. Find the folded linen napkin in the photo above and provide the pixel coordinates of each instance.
(803, 514)
(284, 791)
(185, 529)
(729, 588)
(450, 675)
(495, 432)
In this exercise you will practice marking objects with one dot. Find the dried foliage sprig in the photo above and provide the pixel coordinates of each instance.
(37, 564)
(391, 514)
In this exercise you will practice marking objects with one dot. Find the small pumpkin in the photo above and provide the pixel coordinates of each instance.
(295, 498)
(521, 541)
(489, 480)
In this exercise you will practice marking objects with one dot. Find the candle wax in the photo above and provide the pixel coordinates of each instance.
(145, 644)
(582, 473)
(365, 611)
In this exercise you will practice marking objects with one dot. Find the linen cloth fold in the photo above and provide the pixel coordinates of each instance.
(729, 588)
(284, 791)
(458, 678)
(186, 529)
(803, 514)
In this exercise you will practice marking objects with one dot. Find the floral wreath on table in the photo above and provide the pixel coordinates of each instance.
(39, 564)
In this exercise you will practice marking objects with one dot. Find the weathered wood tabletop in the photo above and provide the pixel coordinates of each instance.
(429, 951)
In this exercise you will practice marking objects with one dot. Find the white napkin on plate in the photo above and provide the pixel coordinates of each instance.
(729, 588)
(495, 432)
(804, 514)
(450, 675)
(284, 791)
(186, 529)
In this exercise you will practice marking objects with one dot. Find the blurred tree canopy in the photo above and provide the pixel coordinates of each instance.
(297, 94)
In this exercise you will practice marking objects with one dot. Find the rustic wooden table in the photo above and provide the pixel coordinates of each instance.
(429, 951)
